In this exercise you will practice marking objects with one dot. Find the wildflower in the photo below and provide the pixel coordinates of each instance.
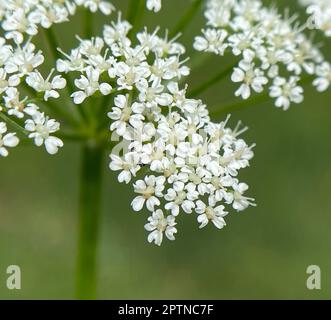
(286, 92)
(89, 85)
(47, 86)
(150, 189)
(41, 128)
(209, 213)
(159, 224)
(267, 45)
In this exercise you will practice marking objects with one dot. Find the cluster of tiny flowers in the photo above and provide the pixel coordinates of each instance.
(20, 61)
(19, 64)
(154, 5)
(272, 51)
(178, 161)
(320, 14)
(25, 17)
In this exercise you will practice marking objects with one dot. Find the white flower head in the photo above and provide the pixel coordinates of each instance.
(154, 5)
(41, 128)
(158, 225)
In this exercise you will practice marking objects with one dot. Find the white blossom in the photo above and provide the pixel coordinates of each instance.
(267, 45)
(159, 224)
(41, 128)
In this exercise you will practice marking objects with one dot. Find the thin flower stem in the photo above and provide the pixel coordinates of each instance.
(88, 24)
(14, 124)
(187, 18)
(54, 107)
(54, 45)
(256, 100)
(235, 106)
(90, 207)
(211, 82)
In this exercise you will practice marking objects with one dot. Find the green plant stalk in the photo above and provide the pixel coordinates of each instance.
(187, 18)
(256, 100)
(89, 208)
(14, 124)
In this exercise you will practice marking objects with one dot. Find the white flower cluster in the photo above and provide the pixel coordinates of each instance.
(179, 161)
(19, 63)
(26, 16)
(320, 14)
(273, 52)
(18, 68)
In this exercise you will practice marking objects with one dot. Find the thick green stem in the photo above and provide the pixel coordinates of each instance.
(187, 18)
(256, 100)
(14, 124)
(90, 207)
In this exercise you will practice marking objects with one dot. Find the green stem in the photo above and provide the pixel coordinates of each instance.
(256, 100)
(54, 108)
(88, 24)
(54, 45)
(14, 124)
(90, 207)
(211, 82)
(223, 111)
(187, 18)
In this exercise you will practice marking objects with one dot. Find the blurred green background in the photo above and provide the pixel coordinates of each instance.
(262, 253)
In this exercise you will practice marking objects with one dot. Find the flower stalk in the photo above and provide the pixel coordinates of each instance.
(89, 208)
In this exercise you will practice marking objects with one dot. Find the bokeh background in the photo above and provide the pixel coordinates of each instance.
(262, 253)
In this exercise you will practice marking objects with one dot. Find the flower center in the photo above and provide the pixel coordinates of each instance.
(42, 130)
(210, 213)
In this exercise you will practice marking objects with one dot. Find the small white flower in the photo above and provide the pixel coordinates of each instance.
(241, 202)
(128, 166)
(212, 41)
(209, 213)
(41, 128)
(251, 77)
(154, 5)
(150, 189)
(8, 140)
(286, 92)
(89, 85)
(13, 103)
(158, 224)
(94, 5)
(323, 80)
